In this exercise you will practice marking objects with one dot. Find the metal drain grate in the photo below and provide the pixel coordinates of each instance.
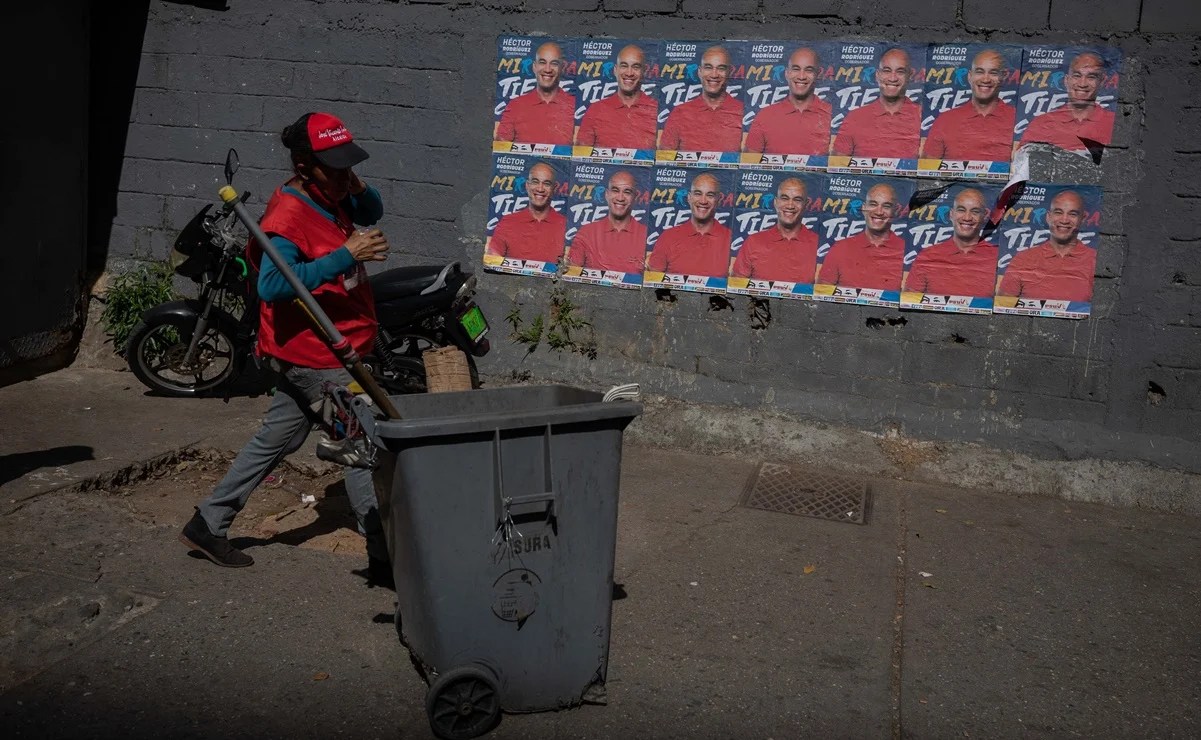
(790, 490)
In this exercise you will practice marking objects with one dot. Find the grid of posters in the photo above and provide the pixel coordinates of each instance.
(788, 169)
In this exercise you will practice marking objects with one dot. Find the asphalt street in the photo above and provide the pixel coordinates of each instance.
(949, 613)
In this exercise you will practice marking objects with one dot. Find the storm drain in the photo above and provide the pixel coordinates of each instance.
(789, 490)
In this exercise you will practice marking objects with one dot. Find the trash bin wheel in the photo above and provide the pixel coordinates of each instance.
(463, 703)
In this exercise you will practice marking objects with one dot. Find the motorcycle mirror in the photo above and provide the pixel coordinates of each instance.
(231, 166)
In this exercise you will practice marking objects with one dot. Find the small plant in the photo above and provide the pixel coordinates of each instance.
(130, 296)
(566, 325)
(561, 332)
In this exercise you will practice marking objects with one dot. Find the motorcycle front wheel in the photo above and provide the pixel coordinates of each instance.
(155, 353)
(402, 370)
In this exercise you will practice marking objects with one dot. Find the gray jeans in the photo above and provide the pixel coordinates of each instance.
(285, 428)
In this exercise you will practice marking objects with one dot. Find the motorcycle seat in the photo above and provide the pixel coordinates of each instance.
(402, 282)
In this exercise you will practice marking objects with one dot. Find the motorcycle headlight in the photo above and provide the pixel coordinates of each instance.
(467, 288)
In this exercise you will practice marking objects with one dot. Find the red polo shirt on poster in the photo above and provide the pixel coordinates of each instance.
(872, 131)
(682, 250)
(964, 133)
(1042, 274)
(1061, 128)
(530, 119)
(769, 255)
(945, 269)
(602, 246)
(781, 128)
(696, 127)
(855, 262)
(522, 236)
(612, 123)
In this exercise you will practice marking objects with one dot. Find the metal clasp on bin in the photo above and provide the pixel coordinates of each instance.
(512, 511)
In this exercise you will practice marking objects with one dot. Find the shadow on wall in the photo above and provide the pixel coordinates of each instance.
(71, 170)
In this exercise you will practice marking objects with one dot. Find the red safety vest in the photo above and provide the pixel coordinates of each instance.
(285, 330)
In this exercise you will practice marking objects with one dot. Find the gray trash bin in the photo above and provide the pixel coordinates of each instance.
(500, 508)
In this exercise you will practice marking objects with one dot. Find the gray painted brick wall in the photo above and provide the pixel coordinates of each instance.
(413, 81)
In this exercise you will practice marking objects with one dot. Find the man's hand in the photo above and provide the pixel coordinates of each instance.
(357, 186)
(367, 245)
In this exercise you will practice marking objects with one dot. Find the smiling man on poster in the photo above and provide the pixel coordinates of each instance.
(700, 245)
(871, 259)
(618, 241)
(786, 251)
(536, 232)
(982, 128)
(890, 125)
(800, 123)
(1081, 118)
(963, 265)
(1060, 269)
(546, 114)
(625, 119)
(712, 121)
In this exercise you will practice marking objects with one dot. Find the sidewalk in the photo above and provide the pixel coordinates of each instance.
(951, 613)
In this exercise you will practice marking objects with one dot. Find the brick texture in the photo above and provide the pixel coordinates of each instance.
(1170, 16)
(991, 14)
(1089, 15)
(413, 81)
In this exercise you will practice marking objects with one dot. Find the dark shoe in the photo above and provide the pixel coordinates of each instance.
(379, 573)
(196, 536)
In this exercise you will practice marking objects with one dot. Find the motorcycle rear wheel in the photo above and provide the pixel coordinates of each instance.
(155, 355)
(403, 371)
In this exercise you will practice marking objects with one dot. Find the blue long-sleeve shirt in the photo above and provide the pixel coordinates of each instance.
(366, 208)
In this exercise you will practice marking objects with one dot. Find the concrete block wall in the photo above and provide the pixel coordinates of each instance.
(413, 80)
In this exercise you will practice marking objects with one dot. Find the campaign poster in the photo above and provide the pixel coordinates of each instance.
(951, 262)
(1068, 96)
(774, 245)
(700, 102)
(787, 95)
(1048, 241)
(606, 223)
(617, 100)
(688, 240)
(877, 107)
(527, 228)
(864, 235)
(535, 106)
(968, 110)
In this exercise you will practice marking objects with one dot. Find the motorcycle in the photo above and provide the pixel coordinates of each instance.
(199, 346)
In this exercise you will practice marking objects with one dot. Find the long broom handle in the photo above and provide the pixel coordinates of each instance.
(341, 348)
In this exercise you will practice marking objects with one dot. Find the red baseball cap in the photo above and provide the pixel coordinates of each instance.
(331, 142)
